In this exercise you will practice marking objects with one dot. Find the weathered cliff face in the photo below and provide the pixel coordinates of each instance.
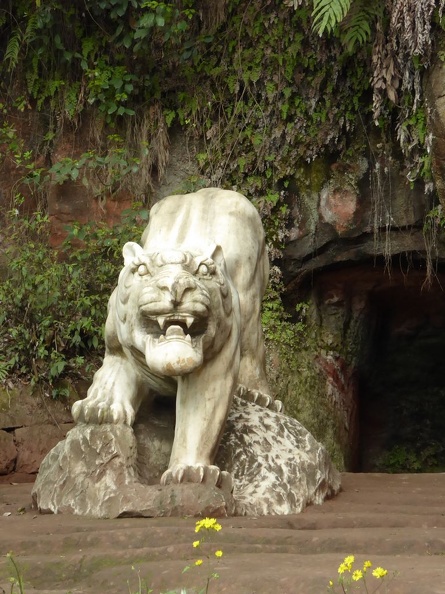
(371, 270)
(434, 90)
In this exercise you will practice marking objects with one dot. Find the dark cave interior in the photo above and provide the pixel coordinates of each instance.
(402, 385)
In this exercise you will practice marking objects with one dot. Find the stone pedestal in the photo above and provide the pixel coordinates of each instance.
(112, 470)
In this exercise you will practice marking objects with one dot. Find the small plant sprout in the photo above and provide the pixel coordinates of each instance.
(16, 580)
(206, 529)
(142, 584)
(357, 579)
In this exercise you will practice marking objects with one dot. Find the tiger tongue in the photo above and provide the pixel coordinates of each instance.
(174, 331)
(173, 355)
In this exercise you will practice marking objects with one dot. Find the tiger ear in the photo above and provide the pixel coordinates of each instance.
(216, 254)
(130, 251)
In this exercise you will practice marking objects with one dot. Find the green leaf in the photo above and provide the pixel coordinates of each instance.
(327, 14)
(356, 28)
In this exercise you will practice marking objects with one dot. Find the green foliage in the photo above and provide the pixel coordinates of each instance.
(402, 458)
(358, 25)
(260, 82)
(269, 99)
(110, 87)
(278, 327)
(327, 14)
(99, 172)
(66, 58)
(13, 50)
(54, 304)
(353, 21)
(5, 368)
(291, 344)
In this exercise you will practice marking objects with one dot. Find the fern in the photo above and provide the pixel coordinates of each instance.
(32, 77)
(18, 39)
(71, 100)
(49, 90)
(31, 28)
(327, 14)
(356, 27)
(13, 49)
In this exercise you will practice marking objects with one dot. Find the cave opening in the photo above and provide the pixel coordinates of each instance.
(402, 383)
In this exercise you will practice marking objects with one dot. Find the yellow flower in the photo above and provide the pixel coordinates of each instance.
(218, 553)
(379, 572)
(342, 568)
(198, 562)
(357, 575)
(331, 584)
(208, 524)
(196, 543)
(366, 565)
(349, 560)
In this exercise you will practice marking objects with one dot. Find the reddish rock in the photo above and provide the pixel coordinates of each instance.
(394, 520)
(20, 407)
(341, 388)
(33, 443)
(338, 207)
(8, 452)
(70, 202)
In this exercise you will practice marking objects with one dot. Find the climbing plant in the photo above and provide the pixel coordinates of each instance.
(53, 305)
(264, 83)
(402, 38)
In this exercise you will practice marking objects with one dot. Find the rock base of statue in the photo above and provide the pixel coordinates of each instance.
(107, 471)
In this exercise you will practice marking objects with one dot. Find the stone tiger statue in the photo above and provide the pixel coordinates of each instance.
(184, 321)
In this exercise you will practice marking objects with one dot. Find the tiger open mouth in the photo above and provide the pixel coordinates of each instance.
(175, 326)
(174, 343)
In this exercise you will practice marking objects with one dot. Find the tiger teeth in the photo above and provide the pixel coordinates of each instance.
(188, 338)
(163, 319)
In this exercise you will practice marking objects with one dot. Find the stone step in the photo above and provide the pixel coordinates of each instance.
(396, 521)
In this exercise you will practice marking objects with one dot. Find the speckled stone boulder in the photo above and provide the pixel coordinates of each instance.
(276, 465)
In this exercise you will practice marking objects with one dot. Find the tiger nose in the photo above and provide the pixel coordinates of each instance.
(177, 286)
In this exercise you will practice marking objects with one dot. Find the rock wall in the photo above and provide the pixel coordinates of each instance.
(358, 254)
(30, 425)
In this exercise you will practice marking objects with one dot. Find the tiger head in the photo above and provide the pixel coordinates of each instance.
(174, 306)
